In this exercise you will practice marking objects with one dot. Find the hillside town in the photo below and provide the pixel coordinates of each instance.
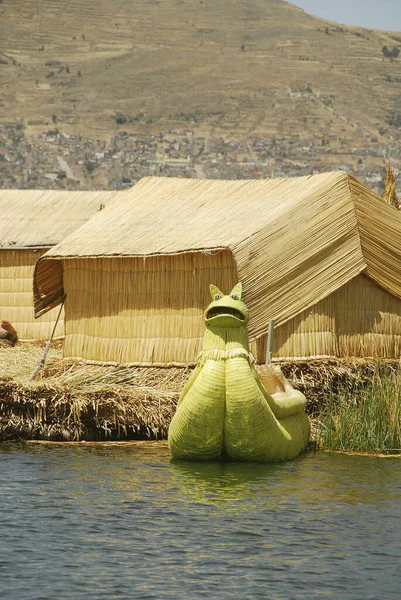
(55, 159)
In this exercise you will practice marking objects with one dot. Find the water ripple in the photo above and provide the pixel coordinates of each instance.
(127, 522)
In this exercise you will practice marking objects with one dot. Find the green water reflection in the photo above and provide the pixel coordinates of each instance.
(314, 478)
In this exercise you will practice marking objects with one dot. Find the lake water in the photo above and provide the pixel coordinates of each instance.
(124, 521)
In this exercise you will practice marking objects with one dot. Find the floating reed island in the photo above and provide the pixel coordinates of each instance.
(353, 404)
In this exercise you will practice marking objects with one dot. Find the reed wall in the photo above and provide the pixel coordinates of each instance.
(128, 310)
(360, 319)
(131, 310)
(16, 296)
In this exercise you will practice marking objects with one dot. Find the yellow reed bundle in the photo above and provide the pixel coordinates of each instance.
(390, 187)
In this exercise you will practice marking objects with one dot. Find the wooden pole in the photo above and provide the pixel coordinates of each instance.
(41, 363)
(270, 339)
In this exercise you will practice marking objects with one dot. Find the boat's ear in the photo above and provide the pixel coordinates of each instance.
(237, 291)
(214, 291)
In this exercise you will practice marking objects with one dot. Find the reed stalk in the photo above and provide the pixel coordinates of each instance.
(364, 419)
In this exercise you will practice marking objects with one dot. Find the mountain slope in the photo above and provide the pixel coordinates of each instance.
(230, 68)
(247, 65)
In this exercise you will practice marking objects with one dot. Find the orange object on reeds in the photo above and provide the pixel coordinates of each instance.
(8, 332)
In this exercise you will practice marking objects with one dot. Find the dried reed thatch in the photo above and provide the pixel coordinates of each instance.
(32, 221)
(71, 401)
(76, 401)
(317, 378)
(320, 255)
(390, 188)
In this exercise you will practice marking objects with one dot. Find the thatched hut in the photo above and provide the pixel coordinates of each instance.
(31, 222)
(321, 255)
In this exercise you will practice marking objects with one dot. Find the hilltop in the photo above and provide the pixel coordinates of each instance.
(261, 88)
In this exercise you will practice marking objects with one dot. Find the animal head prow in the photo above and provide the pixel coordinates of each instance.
(226, 310)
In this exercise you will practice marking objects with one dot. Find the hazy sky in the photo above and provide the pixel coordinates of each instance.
(373, 14)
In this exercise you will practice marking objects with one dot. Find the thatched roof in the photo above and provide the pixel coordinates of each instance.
(168, 215)
(294, 241)
(42, 218)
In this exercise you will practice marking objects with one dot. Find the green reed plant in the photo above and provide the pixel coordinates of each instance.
(364, 418)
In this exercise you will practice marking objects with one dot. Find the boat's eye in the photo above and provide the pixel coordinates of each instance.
(217, 296)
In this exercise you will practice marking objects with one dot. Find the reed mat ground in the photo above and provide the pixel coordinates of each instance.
(74, 401)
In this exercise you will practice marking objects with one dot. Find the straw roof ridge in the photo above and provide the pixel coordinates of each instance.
(301, 259)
